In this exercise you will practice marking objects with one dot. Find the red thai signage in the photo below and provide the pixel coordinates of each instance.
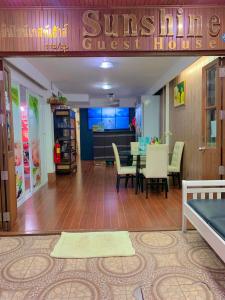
(152, 29)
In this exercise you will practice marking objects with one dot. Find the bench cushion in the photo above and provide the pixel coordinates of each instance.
(212, 211)
(219, 225)
(208, 208)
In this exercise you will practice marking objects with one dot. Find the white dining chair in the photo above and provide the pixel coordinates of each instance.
(134, 146)
(122, 171)
(155, 172)
(174, 168)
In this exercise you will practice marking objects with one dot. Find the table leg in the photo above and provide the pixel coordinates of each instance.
(138, 163)
(129, 160)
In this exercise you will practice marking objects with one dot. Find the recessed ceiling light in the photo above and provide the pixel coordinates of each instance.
(106, 86)
(106, 65)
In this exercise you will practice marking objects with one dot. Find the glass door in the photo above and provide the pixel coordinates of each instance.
(15, 90)
(34, 140)
(25, 139)
(26, 147)
(210, 107)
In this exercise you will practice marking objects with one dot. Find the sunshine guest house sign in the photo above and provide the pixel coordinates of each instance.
(149, 29)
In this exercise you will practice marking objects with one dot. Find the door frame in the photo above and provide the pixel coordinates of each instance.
(7, 160)
(212, 155)
(222, 83)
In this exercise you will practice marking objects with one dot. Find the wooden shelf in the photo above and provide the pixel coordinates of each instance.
(64, 119)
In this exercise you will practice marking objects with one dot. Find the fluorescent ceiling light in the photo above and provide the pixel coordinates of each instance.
(106, 65)
(106, 86)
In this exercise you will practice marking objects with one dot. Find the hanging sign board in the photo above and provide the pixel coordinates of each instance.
(149, 29)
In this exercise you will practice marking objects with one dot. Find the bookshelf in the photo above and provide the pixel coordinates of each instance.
(65, 133)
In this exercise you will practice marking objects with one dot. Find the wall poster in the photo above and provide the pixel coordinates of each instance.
(34, 139)
(179, 94)
(17, 140)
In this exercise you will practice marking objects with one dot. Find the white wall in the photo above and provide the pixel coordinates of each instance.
(151, 116)
(26, 69)
(77, 98)
(181, 64)
(103, 102)
(47, 132)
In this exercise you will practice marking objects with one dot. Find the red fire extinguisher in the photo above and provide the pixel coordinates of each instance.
(57, 151)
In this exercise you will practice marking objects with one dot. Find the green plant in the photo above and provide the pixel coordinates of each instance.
(33, 105)
(62, 99)
(57, 100)
(15, 95)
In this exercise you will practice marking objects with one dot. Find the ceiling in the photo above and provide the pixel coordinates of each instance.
(130, 76)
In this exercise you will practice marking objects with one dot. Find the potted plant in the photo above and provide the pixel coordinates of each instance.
(62, 100)
(52, 100)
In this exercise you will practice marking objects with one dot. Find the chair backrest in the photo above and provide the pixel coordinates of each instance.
(117, 157)
(157, 161)
(134, 147)
(177, 155)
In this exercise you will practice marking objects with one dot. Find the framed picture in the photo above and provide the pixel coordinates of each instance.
(179, 94)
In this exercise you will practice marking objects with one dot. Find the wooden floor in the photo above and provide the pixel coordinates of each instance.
(88, 200)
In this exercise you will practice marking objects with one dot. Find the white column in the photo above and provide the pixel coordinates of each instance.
(151, 116)
(167, 127)
(42, 137)
(49, 138)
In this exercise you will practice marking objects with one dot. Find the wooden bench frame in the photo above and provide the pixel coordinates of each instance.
(200, 189)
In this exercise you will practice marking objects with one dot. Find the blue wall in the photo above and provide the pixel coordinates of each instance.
(86, 139)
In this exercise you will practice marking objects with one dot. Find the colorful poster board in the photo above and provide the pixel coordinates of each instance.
(33, 109)
(17, 140)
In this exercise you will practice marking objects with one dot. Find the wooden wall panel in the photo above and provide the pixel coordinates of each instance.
(103, 3)
(223, 121)
(60, 31)
(186, 120)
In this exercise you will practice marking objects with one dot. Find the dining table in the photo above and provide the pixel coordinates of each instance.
(136, 156)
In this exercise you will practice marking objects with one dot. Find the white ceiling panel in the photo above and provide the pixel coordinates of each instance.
(130, 76)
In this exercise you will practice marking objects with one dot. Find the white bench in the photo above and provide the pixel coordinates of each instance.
(202, 190)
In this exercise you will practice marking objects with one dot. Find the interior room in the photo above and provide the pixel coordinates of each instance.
(120, 100)
(75, 123)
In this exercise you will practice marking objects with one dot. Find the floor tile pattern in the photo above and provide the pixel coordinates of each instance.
(168, 265)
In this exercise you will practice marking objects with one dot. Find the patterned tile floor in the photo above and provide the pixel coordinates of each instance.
(167, 265)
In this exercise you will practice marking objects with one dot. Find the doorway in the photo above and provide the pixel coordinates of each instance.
(180, 118)
(8, 204)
